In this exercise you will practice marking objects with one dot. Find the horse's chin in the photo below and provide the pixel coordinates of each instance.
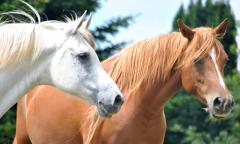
(215, 115)
(219, 116)
(103, 112)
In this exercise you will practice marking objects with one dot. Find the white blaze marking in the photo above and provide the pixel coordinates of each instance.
(213, 56)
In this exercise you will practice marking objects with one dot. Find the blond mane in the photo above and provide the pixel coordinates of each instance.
(22, 41)
(155, 59)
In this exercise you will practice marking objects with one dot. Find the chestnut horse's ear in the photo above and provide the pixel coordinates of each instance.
(221, 28)
(186, 31)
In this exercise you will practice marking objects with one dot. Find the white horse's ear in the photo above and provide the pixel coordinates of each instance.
(76, 24)
(86, 23)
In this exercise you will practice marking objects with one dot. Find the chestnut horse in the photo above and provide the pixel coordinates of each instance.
(149, 73)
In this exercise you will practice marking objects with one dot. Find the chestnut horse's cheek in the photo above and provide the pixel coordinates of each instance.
(187, 83)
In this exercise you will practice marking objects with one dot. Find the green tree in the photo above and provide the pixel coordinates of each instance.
(7, 126)
(211, 14)
(9, 5)
(56, 9)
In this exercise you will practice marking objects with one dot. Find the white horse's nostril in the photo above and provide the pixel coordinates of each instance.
(100, 103)
(118, 100)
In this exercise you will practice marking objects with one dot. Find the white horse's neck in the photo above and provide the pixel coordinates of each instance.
(16, 80)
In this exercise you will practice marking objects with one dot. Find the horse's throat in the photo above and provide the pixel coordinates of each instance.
(151, 98)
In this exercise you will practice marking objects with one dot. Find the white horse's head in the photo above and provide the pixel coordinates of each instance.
(55, 53)
(76, 69)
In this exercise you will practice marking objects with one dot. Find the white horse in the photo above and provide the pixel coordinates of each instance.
(53, 53)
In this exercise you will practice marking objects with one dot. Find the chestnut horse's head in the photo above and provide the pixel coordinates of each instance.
(203, 77)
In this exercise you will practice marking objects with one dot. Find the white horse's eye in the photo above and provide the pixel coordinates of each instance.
(83, 56)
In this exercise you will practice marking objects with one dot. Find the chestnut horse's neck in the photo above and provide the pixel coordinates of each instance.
(150, 99)
(142, 111)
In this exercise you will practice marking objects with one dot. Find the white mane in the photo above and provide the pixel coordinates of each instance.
(21, 41)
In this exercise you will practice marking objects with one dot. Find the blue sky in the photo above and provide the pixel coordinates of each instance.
(154, 16)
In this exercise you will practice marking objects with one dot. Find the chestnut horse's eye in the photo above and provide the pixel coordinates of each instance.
(83, 56)
(201, 81)
(197, 61)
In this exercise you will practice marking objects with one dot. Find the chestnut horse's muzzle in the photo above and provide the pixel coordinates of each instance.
(222, 107)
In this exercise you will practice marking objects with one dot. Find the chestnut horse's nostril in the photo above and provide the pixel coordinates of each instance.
(118, 100)
(217, 102)
(223, 105)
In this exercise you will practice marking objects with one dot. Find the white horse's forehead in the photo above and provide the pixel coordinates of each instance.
(78, 44)
(213, 55)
